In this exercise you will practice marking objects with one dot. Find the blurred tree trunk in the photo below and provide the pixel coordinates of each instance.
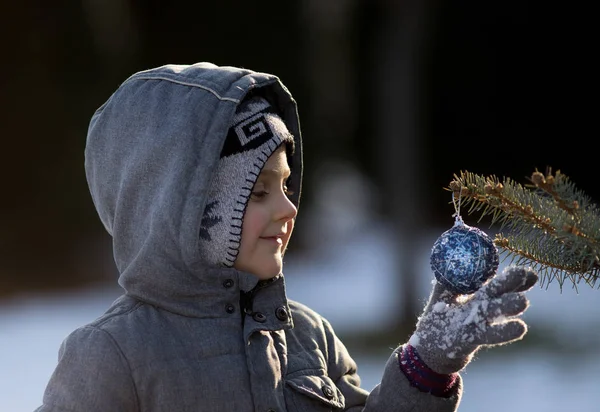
(398, 54)
(394, 58)
(331, 73)
(115, 33)
(329, 113)
(53, 81)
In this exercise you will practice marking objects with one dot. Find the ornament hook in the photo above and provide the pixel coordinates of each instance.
(456, 215)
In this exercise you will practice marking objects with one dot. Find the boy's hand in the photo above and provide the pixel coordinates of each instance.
(453, 327)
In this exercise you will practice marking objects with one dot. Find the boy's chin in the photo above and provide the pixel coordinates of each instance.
(267, 270)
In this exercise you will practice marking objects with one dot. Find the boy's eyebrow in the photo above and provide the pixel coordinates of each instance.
(277, 172)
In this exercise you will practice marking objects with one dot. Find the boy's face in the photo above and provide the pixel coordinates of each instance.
(269, 220)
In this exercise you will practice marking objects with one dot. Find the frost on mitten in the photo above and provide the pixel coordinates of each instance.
(453, 327)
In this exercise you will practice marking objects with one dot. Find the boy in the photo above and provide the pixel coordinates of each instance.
(196, 172)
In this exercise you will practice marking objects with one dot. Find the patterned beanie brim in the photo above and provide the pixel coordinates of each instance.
(256, 132)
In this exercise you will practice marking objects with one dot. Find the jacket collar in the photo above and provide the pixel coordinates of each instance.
(216, 294)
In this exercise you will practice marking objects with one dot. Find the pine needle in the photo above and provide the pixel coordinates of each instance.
(547, 224)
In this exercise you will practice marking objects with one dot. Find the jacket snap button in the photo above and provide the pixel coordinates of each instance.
(229, 308)
(281, 313)
(228, 283)
(327, 391)
(259, 317)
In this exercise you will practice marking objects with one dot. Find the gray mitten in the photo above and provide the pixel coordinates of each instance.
(453, 327)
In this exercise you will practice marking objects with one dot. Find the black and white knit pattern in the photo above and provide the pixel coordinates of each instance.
(256, 132)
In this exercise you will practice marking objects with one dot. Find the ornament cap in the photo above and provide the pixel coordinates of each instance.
(458, 220)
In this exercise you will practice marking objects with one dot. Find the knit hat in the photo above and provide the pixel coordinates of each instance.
(256, 132)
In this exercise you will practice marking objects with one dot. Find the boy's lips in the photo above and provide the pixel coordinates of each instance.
(278, 238)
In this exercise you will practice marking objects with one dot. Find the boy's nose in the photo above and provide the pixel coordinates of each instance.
(286, 210)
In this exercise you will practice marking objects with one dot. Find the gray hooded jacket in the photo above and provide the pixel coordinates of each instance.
(175, 341)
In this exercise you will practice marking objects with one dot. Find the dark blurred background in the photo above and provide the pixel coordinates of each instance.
(406, 92)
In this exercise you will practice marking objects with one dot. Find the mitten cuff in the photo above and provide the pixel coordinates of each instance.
(424, 378)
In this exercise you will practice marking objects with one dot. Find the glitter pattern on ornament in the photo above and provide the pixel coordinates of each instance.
(463, 258)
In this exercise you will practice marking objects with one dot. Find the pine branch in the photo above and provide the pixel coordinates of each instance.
(548, 224)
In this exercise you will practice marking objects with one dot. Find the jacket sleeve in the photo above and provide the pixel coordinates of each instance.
(393, 393)
(92, 375)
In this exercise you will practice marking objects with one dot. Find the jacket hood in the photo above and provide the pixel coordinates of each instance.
(152, 149)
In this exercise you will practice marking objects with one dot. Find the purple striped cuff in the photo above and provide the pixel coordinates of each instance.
(424, 378)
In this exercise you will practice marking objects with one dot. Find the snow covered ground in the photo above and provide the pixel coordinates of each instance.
(354, 275)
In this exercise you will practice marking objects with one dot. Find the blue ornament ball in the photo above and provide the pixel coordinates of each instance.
(463, 258)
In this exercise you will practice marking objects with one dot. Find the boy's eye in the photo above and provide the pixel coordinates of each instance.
(259, 194)
(286, 187)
